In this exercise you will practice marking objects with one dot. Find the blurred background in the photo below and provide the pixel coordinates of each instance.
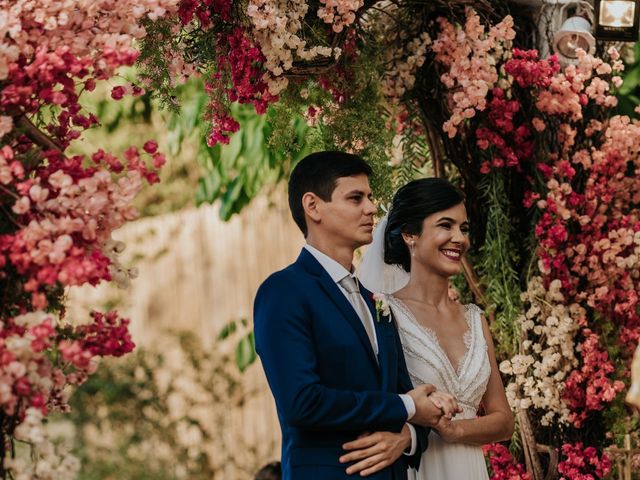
(191, 401)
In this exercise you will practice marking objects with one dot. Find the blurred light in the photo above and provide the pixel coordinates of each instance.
(575, 33)
(617, 20)
(617, 13)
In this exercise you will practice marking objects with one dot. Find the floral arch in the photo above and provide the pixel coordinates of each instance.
(549, 166)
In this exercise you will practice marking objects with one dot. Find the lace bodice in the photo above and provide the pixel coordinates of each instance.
(428, 363)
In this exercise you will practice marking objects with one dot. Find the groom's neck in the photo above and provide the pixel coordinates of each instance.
(340, 253)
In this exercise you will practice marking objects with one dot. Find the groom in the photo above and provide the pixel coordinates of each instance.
(335, 369)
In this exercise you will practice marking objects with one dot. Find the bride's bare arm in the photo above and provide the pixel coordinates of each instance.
(497, 423)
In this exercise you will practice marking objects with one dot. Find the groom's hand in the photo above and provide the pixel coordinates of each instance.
(375, 451)
(429, 410)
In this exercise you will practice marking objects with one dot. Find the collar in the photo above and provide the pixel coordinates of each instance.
(336, 271)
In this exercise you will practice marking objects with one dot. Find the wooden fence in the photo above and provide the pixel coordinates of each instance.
(197, 273)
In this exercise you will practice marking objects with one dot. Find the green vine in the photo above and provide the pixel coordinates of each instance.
(497, 264)
(416, 157)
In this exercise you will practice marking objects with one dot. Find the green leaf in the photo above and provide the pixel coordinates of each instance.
(229, 154)
(209, 187)
(227, 330)
(235, 203)
(246, 352)
(631, 81)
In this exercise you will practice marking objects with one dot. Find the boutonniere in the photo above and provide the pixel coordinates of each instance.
(382, 306)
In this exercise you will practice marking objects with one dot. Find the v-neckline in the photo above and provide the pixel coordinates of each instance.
(467, 337)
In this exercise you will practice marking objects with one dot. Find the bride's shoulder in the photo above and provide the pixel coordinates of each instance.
(473, 308)
(474, 313)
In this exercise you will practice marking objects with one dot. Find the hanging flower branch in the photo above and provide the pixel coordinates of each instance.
(59, 210)
(553, 130)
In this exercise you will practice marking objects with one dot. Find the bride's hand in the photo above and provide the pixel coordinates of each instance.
(446, 403)
(449, 430)
(375, 451)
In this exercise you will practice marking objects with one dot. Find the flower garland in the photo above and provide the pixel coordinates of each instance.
(549, 328)
(587, 230)
(469, 56)
(59, 211)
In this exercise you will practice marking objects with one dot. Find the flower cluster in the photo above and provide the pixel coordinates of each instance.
(106, 335)
(556, 130)
(114, 27)
(470, 56)
(203, 10)
(48, 461)
(32, 382)
(240, 76)
(253, 50)
(548, 352)
(588, 232)
(589, 388)
(66, 213)
(503, 466)
(59, 210)
(339, 13)
(580, 463)
(31, 378)
(510, 141)
(507, 131)
(277, 26)
(597, 260)
(404, 62)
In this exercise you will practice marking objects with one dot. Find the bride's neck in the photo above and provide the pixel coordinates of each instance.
(427, 287)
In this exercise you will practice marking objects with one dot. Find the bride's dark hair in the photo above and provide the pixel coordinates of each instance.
(411, 204)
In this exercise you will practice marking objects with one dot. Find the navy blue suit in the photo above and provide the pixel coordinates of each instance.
(328, 386)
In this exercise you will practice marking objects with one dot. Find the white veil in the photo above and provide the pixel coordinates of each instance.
(375, 275)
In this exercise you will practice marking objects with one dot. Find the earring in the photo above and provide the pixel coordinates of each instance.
(412, 248)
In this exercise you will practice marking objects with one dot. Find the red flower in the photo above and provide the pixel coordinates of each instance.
(117, 92)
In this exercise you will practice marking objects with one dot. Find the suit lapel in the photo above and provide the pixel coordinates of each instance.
(384, 350)
(332, 290)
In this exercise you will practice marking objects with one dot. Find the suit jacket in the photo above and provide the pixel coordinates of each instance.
(328, 386)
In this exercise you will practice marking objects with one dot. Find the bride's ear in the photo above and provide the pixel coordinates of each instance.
(409, 238)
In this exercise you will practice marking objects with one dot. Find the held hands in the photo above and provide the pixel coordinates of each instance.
(375, 451)
(432, 405)
(448, 430)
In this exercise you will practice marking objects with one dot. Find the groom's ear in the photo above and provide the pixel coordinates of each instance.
(310, 204)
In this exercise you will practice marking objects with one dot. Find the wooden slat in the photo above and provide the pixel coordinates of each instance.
(197, 273)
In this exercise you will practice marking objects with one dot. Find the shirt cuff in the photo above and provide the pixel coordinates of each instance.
(409, 404)
(414, 441)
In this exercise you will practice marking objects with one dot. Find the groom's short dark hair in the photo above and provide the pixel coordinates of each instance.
(318, 173)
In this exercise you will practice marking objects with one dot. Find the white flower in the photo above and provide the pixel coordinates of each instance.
(382, 305)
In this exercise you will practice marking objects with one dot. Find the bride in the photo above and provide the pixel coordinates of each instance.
(416, 249)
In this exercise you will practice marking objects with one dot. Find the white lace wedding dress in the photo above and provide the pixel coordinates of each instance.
(427, 363)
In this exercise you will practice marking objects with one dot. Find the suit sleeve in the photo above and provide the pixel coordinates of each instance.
(285, 343)
(404, 385)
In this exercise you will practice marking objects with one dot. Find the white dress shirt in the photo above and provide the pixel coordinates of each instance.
(337, 272)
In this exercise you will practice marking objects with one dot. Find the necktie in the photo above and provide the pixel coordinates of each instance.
(359, 305)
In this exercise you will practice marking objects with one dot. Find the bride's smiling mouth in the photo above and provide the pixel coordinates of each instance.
(452, 253)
